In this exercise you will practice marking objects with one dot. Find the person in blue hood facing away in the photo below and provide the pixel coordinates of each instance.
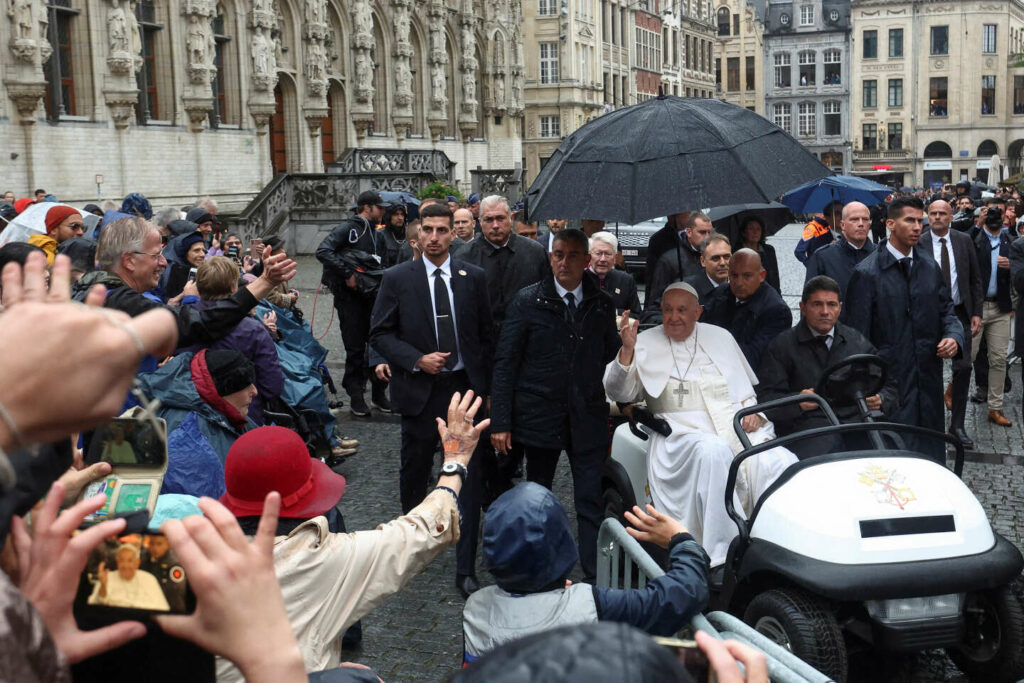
(529, 549)
(205, 400)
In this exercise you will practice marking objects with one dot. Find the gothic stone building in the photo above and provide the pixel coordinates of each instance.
(177, 98)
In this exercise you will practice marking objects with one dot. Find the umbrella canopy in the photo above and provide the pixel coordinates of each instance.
(666, 156)
(815, 196)
(729, 219)
(31, 221)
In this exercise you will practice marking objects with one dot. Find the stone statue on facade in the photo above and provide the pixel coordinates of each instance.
(28, 30)
(438, 84)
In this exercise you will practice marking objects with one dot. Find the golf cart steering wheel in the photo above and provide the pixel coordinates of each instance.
(850, 381)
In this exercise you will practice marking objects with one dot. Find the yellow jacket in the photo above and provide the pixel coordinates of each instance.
(47, 244)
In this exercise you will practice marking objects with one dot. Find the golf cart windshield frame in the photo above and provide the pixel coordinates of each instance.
(750, 450)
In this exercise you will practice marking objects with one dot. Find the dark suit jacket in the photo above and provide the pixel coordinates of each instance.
(675, 264)
(795, 361)
(520, 263)
(621, 287)
(1017, 276)
(754, 323)
(1003, 280)
(703, 284)
(968, 273)
(402, 329)
(837, 261)
(905, 317)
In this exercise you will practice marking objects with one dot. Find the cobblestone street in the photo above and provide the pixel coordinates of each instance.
(417, 634)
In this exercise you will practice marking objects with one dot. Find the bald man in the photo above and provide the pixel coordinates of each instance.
(838, 259)
(961, 272)
(749, 308)
(695, 377)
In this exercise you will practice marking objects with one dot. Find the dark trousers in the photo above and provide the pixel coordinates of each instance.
(961, 374)
(354, 320)
(420, 441)
(586, 489)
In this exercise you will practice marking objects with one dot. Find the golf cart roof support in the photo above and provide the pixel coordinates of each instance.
(616, 547)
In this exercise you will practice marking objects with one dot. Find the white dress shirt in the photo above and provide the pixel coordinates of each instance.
(937, 252)
(446, 275)
(577, 293)
(897, 255)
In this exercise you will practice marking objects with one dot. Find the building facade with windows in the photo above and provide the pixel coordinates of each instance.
(564, 87)
(177, 98)
(689, 36)
(936, 89)
(739, 57)
(807, 75)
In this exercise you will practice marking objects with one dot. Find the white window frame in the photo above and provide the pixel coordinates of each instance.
(547, 8)
(806, 119)
(783, 60)
(807, 15)
(832, 108)
(550, 126)
(782, 116)
(989, 37)
(548, 64)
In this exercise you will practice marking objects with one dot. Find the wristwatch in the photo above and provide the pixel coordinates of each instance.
(454, 467)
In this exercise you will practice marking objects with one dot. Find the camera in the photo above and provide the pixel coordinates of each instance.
(963, 220)
(994, 218)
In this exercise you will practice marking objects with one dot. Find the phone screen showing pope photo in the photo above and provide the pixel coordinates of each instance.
(135, 572)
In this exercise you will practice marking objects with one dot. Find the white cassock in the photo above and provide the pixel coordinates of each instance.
(141, 592)
(697, 385)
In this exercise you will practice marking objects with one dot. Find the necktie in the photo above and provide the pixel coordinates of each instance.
(905, 264)
(947, 274)
(445, 325)
(570, 303)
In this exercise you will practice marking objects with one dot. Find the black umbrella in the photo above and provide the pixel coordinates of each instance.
(728, 219)
(665, 156)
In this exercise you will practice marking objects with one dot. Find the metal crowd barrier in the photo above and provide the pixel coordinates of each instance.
(622, 563)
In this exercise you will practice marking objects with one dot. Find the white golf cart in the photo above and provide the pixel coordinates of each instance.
(874, 547)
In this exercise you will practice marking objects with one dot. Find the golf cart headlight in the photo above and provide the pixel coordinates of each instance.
(911, 609)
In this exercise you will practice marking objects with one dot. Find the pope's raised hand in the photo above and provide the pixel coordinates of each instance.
(628, 330)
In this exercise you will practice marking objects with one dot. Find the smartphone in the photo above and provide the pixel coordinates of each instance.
(137, 452)
(135, 573)
(692, 657)
(232, 251)
(192, 275)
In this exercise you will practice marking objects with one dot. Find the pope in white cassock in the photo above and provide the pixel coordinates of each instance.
(695, 377)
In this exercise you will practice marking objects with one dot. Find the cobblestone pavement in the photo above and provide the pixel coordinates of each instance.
(417, 634)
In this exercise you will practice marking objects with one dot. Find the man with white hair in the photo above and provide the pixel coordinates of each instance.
(695, 377)
(129, 586)
(619, 284)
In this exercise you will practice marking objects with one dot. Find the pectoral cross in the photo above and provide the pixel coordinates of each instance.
(680, 391)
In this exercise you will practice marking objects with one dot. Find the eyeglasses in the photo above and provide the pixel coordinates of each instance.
(158, 255)
(602, 254)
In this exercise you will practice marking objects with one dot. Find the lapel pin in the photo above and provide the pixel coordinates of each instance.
(462, 272)
(618, 291)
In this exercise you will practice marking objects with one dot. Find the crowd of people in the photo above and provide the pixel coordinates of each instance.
(501, 344)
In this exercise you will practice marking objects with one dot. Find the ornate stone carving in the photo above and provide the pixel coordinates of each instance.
(264, 60)
(122, 106)
(198, 109)
(438, 61)
(28, 31)
(362, 43)
(316, 68)
(315, 119)
(402, 54)
(27, 97)
(201, 48)
(262, 112)
(123, 38)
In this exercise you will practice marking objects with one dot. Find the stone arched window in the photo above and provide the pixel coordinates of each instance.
(724, 20)
(987, 148)
(380, 80)
(938, 150)
(226, 90)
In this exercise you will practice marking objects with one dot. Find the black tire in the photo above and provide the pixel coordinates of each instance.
(993, 648)
(804, 625)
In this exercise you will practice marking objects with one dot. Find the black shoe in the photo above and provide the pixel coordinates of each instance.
(979, 396)
(965, 439)
(467, 584)
(357, 404)
(380, 401)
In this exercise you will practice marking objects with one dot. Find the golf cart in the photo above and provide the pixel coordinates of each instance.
(876, 547)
